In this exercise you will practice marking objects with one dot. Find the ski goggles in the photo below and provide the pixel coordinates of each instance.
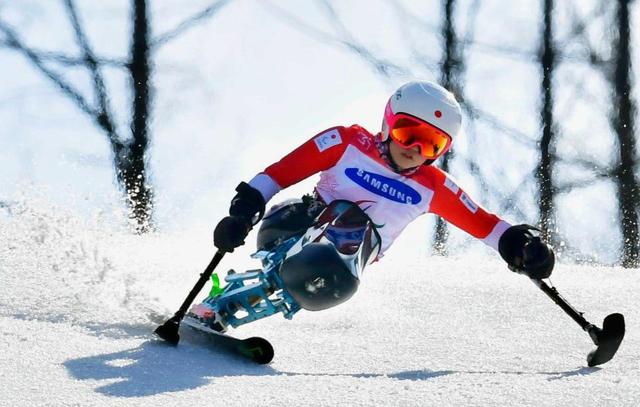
(409, 131)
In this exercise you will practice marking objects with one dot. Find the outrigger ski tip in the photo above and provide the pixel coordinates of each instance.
(607, 339)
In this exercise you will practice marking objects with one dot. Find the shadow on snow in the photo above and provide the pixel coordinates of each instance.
(155, 367)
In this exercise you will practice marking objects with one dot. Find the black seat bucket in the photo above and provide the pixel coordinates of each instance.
(317, 277)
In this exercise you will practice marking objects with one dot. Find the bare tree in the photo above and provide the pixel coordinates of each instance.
(617, 70)
(622, 121)
(452, 68)
(131, 165)
(129, 153)
(544, 172)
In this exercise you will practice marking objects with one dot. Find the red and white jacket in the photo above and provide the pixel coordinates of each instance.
(351, 167)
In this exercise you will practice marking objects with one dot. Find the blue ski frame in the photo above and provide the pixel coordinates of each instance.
(243, 289)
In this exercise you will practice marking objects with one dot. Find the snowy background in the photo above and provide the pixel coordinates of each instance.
(80, 294)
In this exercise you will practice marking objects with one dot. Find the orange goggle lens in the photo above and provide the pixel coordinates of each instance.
(409, 133)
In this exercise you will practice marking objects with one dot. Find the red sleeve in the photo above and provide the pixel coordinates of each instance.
(319, 153)
(456, 207)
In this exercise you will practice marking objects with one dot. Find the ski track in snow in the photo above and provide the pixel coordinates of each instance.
(81, 298)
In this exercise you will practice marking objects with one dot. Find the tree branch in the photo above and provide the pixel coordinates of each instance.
(381, 66)
(67, 60)
(14, 42)
(503, 50)
(418, 56)
(104, 119)
(64, 59)
(470, 31)
(515, 134)
(578, 32)
(188, 23)
(348, 40)
(569, 186)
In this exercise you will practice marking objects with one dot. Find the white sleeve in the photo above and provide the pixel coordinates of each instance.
(266, 185)
(494, 237)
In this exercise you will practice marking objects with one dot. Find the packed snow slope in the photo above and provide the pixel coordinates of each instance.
(80, 299)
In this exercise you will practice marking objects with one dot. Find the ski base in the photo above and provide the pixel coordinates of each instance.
(607, 339)
(255, 348)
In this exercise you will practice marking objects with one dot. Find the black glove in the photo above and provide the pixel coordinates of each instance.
(525, 253)
(247, 208)
(248, 203)
(230, 233)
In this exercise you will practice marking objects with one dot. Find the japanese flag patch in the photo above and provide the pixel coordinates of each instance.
(328, 139)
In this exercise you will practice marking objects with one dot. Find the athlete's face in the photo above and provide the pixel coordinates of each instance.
(406, 157)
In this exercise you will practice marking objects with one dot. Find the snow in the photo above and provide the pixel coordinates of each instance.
(81, 296)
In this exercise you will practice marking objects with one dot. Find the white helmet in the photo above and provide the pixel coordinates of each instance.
(428, 102)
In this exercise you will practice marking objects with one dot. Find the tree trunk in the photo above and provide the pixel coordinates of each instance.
(545, 168)
(130, 162)
(622, 119)
(452, 67)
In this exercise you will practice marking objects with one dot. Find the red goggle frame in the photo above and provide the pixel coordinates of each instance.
(409, 131)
